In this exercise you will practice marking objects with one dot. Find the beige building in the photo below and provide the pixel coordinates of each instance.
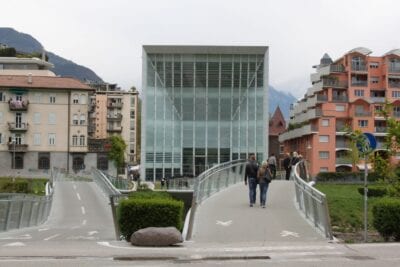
(113, 112)
(43, 124)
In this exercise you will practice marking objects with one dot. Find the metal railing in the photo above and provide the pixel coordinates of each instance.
(311, 202)
(23, 210)
(212, 181)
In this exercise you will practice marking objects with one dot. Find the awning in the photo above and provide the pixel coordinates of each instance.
(361, 166)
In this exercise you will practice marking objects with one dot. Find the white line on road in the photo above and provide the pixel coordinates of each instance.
(83, 210)
(43, 229)
(51, 237)
(84, 222)
(79, 197)
(74, 186)
(15, 244)
(92, 232)
(27, 236)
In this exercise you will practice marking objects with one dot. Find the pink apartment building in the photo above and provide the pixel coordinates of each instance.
(349, 91)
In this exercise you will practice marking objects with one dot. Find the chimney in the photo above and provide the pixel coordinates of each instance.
(30, 78)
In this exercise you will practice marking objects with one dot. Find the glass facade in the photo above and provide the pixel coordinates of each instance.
(202, 109)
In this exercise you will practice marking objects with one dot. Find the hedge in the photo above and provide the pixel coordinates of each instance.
(142, 211)
(346, 177)
(373, 191)
(386, 219)
(15, 187)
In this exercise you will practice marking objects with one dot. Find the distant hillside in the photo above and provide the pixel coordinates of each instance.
(282, 99)
(25, 43)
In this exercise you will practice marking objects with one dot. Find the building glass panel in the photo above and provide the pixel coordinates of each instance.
(202, 106)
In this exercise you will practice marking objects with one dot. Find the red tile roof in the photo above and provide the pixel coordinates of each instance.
(42, 82)
(277, 123)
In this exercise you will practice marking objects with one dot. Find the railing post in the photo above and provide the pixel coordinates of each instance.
(8, 215)
(21, 214)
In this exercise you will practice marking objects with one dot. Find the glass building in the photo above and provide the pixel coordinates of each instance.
(202, 106)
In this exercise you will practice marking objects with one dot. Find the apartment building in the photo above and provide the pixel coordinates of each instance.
(43, 124)
(347, 92)
(113, 111)
(202, 106)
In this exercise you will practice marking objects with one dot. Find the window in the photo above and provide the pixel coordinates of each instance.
(325, 122)
(82, 99)
(82, 140)
(396, 94)
(323, 169)
(324, 138)
(340, 108)
(75, 99)
(44, 161)
(74, 140)
(19, 161)
(102, 162)
(374, 65)
(1, 117)
(378, 109)
(37, 98)
(374, 79)
(132, 102)
(36, 118)
(324, 154)
(75, 120)
(1, 138)
(52, 118)
(78, 163)
(2, 97)
(362, 123)
(83, 120)
(36, 139)
(52, 99)
(52, 139)
(359, 92)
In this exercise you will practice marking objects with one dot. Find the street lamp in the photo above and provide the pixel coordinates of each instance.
(13, 141)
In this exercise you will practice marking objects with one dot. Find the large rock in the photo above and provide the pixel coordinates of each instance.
(156, 237)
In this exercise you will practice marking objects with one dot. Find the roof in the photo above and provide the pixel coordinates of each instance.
(42, 82)
(17, 60)
(360, 50)
(393, 52)
(277, 123)
(198, 49)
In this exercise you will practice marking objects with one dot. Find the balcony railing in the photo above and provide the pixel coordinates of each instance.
(337, 68)
(17, 147)
(18, 105)
(394, 84)
(91, 129)
(114, 105)
(334, 83)
(394, 69)
(322, 98)
(359, 67)
(378, 99)
(343, 160)
(114, 129)
(380, 129)
(396, 114)
(340, 98)
(116, 117)
(22, 126)
(363, 113)
(359, 83)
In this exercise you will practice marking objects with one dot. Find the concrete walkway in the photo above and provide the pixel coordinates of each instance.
(227, 218)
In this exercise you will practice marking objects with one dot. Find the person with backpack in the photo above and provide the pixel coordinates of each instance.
(250, 175)
(264, 177)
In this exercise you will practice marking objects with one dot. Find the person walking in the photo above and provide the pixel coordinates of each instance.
(250, 175)
(272, 165)
(287, 166)
(264, 177)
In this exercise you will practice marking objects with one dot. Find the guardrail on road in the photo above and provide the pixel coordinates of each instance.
(312, 203)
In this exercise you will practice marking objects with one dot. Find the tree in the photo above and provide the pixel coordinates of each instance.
(117, 151)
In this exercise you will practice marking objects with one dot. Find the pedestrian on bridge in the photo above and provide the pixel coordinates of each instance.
(250, 174)
(272, 165)
(264, 177)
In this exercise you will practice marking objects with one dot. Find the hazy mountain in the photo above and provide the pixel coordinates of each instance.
(25, 43)
(282, 99)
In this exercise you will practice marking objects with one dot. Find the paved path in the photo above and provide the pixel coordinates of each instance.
(227, 218)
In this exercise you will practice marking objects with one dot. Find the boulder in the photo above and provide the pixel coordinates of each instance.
(156, 237)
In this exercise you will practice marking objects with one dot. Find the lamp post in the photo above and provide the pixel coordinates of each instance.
(13, 140)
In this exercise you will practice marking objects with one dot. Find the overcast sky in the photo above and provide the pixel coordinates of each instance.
(107, 36)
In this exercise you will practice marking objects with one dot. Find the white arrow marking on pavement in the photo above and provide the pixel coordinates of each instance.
(288, 233)
(92, 232)
(79, 196)
(15, 244)
(43, 229)
(82, 237)
(74, 186)
(51, 237)
(227, 223)
(27, 236)
(83, 210)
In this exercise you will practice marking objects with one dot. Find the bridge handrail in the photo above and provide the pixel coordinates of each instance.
(104, 183)
(212, 181)
(311, 202)
(24, 210)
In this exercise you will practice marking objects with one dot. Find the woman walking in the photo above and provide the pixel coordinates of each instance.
(264, 177)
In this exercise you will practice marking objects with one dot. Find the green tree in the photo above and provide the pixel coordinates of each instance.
(117, 151)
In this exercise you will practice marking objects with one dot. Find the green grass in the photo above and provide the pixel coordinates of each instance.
(35, 186)
(346, 207)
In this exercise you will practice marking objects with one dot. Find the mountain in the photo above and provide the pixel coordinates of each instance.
(25, 43)
(284, 100)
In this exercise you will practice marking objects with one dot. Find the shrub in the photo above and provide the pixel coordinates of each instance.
(373, 191)
(387, 218)
(142, 211)
(346, 177)
(15, 187)
(149, 194)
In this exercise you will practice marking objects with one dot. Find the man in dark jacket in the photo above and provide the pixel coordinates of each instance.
(287, 166)
(251, 175)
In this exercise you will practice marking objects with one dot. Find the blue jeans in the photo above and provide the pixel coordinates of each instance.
(252, 189)
(263, 193)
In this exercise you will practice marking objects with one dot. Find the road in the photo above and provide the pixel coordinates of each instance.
(80, 232)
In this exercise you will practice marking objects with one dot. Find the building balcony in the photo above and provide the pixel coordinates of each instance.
(343, 160)
(91, 129)
(114, 129)
(17, 105)
(394, 84)
(114, 105)
(340, 98)
(298, 132)
(359, 83)
(116, 117)
(18, 127)
(342, 144)
(380, 129)
(17, 147)
(322, 98)
(394, 69)
(98, 145)
(359, 67)
(396, 114)
(335, 84)
(378, 99)
(337, 68)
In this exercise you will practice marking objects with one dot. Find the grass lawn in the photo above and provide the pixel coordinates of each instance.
(346, 208)
(34, 186)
